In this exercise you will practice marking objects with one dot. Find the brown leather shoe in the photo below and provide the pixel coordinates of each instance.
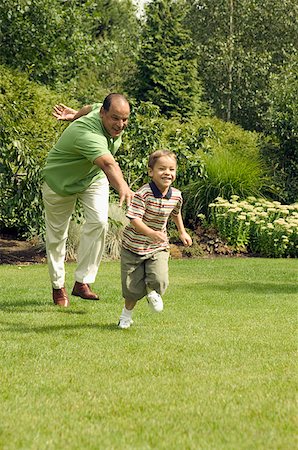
(83, 290)
(60, 297)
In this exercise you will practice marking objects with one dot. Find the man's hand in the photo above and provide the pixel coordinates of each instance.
(125, 195)
(62, 112)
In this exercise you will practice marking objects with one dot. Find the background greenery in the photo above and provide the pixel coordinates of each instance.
(215, 370)
(206, 80)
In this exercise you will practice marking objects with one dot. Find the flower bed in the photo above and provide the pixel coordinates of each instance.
(263, 227)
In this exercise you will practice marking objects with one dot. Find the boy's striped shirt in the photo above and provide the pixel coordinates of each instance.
(149, 205)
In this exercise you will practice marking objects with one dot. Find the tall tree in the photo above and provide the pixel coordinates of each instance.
(81, 42)
(239, 45)
(167, 67)
(281, 150)
(44, 38)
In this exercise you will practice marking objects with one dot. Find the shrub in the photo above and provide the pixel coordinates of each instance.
(266, 228)
(230, 164)
(27, 132)
(20, 196)
(25, 113)
(142, 138)
(281, 145)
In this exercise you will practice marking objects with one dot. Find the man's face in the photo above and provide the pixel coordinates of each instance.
(116, 119)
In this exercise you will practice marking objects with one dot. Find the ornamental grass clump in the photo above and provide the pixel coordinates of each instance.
(264, 227)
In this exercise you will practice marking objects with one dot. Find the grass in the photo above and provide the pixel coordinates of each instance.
(215, 370)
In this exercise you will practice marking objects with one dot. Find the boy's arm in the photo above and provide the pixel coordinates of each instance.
(184, 236)
(140, 227)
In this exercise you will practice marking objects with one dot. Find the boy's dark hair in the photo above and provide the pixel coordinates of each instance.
(109, 98)
(158, 154)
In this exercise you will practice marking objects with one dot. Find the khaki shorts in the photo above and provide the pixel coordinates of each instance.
(141, 271)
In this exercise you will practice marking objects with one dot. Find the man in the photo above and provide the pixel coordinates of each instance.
(80, 167)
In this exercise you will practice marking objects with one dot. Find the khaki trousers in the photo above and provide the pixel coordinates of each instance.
(58, 212)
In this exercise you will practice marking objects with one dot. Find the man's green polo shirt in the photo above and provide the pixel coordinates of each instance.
(69, 166)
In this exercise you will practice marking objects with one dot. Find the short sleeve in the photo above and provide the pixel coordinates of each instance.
(136, 209)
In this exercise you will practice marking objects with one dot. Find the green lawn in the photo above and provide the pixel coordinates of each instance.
(215, 370)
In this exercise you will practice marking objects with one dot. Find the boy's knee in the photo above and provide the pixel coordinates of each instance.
(159, 284)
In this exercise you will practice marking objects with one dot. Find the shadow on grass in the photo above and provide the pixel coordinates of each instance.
(24, 329)
(36, 306)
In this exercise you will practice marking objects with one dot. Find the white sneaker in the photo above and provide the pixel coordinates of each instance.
(124, 322)
(155, 301)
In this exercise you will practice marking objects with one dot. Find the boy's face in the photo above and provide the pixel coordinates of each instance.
(163, 173)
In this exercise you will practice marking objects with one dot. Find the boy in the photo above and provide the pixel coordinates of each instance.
(144, 256)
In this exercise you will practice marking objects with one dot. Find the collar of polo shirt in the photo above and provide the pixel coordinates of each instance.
(156, 192)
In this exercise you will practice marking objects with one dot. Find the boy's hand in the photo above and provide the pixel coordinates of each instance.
(158, 236)
(186, 239)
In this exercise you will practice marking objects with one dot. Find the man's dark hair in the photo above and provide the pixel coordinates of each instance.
(109, 98)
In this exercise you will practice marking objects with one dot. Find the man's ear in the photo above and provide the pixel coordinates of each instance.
(150, 172)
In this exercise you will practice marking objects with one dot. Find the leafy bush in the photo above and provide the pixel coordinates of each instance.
(25, 113)
(264, 227)
(45, 37)
(27, 132)
(280, 148)
(230, 164)
(20, 196)
(142, 138)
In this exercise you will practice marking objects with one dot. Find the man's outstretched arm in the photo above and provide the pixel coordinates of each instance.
(62, 112)
(114, 174)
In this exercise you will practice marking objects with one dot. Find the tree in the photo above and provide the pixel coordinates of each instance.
(282, 128)
(239, 45)
(44, 38)
(78, 44)
(167, 67)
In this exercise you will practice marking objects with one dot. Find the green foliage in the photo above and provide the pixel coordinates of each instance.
(67, 44)
(265, 228)
(239, 45)
(25, 113)
(142, 138)
(281, 145)
(230, 164)
(20, 197)
(117, 223)
(185, 139)
(27, 132)
(167, 68)
(45, 38)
